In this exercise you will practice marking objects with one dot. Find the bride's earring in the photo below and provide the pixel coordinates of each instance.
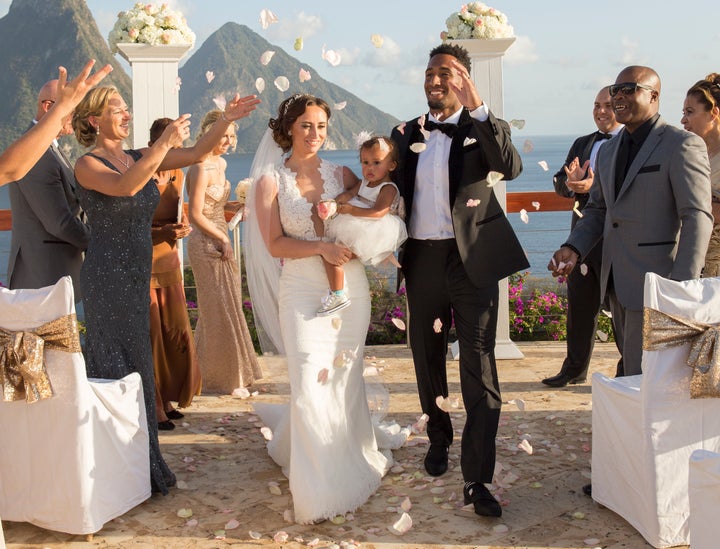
(290, 133)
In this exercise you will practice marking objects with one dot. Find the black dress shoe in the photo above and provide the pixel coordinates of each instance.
(484, 502)
(587, 490)
(561, 379)
(436, 460)
(166, 425)
(174, 414)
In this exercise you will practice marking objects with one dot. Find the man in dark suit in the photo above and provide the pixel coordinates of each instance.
(461, 244)
(651, 201)
(574, 181)
(48, 235)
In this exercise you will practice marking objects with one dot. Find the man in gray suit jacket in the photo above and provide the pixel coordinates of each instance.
(650, 200)
(48, 235)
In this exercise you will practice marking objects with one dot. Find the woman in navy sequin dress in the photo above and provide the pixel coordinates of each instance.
(118, 194)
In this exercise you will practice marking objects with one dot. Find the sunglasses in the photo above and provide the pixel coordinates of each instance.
(628, 88)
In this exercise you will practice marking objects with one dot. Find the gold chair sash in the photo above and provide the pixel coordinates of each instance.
(663, 331)
(22, 357)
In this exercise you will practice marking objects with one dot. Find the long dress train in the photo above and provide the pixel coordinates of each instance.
(324, 439)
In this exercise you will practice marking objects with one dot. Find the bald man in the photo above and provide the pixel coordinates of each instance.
(48, 233)
(651, 202)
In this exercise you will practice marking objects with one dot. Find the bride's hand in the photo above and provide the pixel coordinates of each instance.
(335, 254)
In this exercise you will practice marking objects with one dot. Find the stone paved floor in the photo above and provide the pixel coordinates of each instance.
(220, 458)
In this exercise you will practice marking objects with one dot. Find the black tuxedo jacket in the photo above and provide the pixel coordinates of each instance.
(581, 148)
(488, 246)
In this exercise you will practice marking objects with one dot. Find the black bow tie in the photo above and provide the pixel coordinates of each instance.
(447, 129)
(600, 136)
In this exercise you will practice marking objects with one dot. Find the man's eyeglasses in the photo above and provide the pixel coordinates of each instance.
(628, 88)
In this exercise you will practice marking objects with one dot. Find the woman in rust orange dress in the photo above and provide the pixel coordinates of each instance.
(177, 375)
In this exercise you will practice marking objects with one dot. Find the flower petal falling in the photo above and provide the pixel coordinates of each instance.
(377, 40)
(472, 202)
(304, 75)
(447, 404)
(298, 45)
(209, 76)
(576, 209)
(401, 128)
(535, 204)
(418, 147)
(282, 83)
(267, 18)
(519, 124)
(583, 269)
(399, 324)
(493, 178)
(528, 146)
(220, 102)
(437, 326)
(602, 336)
(524, 216)
(340, 106)
(323, 376)
(331, 56)
(543, 165)
(336, 323)
(267, 433)
(260, 85)
(266, 56)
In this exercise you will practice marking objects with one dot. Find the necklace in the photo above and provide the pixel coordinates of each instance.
(126, 164)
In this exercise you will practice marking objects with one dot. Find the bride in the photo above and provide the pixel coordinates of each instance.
(324, 439)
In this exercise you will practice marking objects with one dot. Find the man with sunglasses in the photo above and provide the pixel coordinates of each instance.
(574, 180)
(651, 202)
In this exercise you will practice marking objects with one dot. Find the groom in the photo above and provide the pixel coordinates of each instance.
(460, 245)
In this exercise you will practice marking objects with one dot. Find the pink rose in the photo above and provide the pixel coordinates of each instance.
(326, 209)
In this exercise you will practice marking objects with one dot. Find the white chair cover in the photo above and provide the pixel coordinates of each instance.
(645, 427)
(80, 458)
(704, 499)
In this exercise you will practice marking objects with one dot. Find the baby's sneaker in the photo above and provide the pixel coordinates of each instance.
(333, 302)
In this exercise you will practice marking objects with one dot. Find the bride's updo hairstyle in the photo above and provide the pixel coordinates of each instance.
(93, 104)
(288, 112)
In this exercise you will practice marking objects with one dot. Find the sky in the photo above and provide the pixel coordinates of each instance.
(551, 73)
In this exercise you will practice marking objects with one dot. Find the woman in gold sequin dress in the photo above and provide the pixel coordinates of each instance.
(224, 348)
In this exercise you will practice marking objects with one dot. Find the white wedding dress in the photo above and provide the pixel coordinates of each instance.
(324, 439)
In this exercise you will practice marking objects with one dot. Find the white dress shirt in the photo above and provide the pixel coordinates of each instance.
(431, 217)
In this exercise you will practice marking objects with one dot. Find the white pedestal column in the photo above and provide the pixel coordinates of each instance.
(154, 85)
(486, 57)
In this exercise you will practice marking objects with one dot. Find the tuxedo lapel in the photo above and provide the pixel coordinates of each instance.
(455, 162)
(652, 141)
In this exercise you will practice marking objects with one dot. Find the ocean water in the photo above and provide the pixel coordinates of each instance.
(544, 232)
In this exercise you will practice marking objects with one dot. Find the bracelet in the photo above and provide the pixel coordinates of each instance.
(225, 118)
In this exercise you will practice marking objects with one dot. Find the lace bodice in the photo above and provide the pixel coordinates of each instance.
(295, 210)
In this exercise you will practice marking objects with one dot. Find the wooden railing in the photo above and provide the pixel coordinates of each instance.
(549, 202)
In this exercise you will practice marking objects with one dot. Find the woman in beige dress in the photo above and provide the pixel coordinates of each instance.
(224, 348)
(701, 115)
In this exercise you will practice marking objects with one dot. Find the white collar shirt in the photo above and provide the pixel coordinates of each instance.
(431, 217)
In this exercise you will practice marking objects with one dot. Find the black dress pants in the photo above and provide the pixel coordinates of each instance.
(438, 288)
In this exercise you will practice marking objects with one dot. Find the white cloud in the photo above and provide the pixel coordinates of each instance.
(349, 57)
(301, 24)
(630, 55)
(522, 52)
(388, 55)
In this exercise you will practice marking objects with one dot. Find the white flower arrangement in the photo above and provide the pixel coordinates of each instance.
(150, 24)
(477, 20)
(242, 189)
